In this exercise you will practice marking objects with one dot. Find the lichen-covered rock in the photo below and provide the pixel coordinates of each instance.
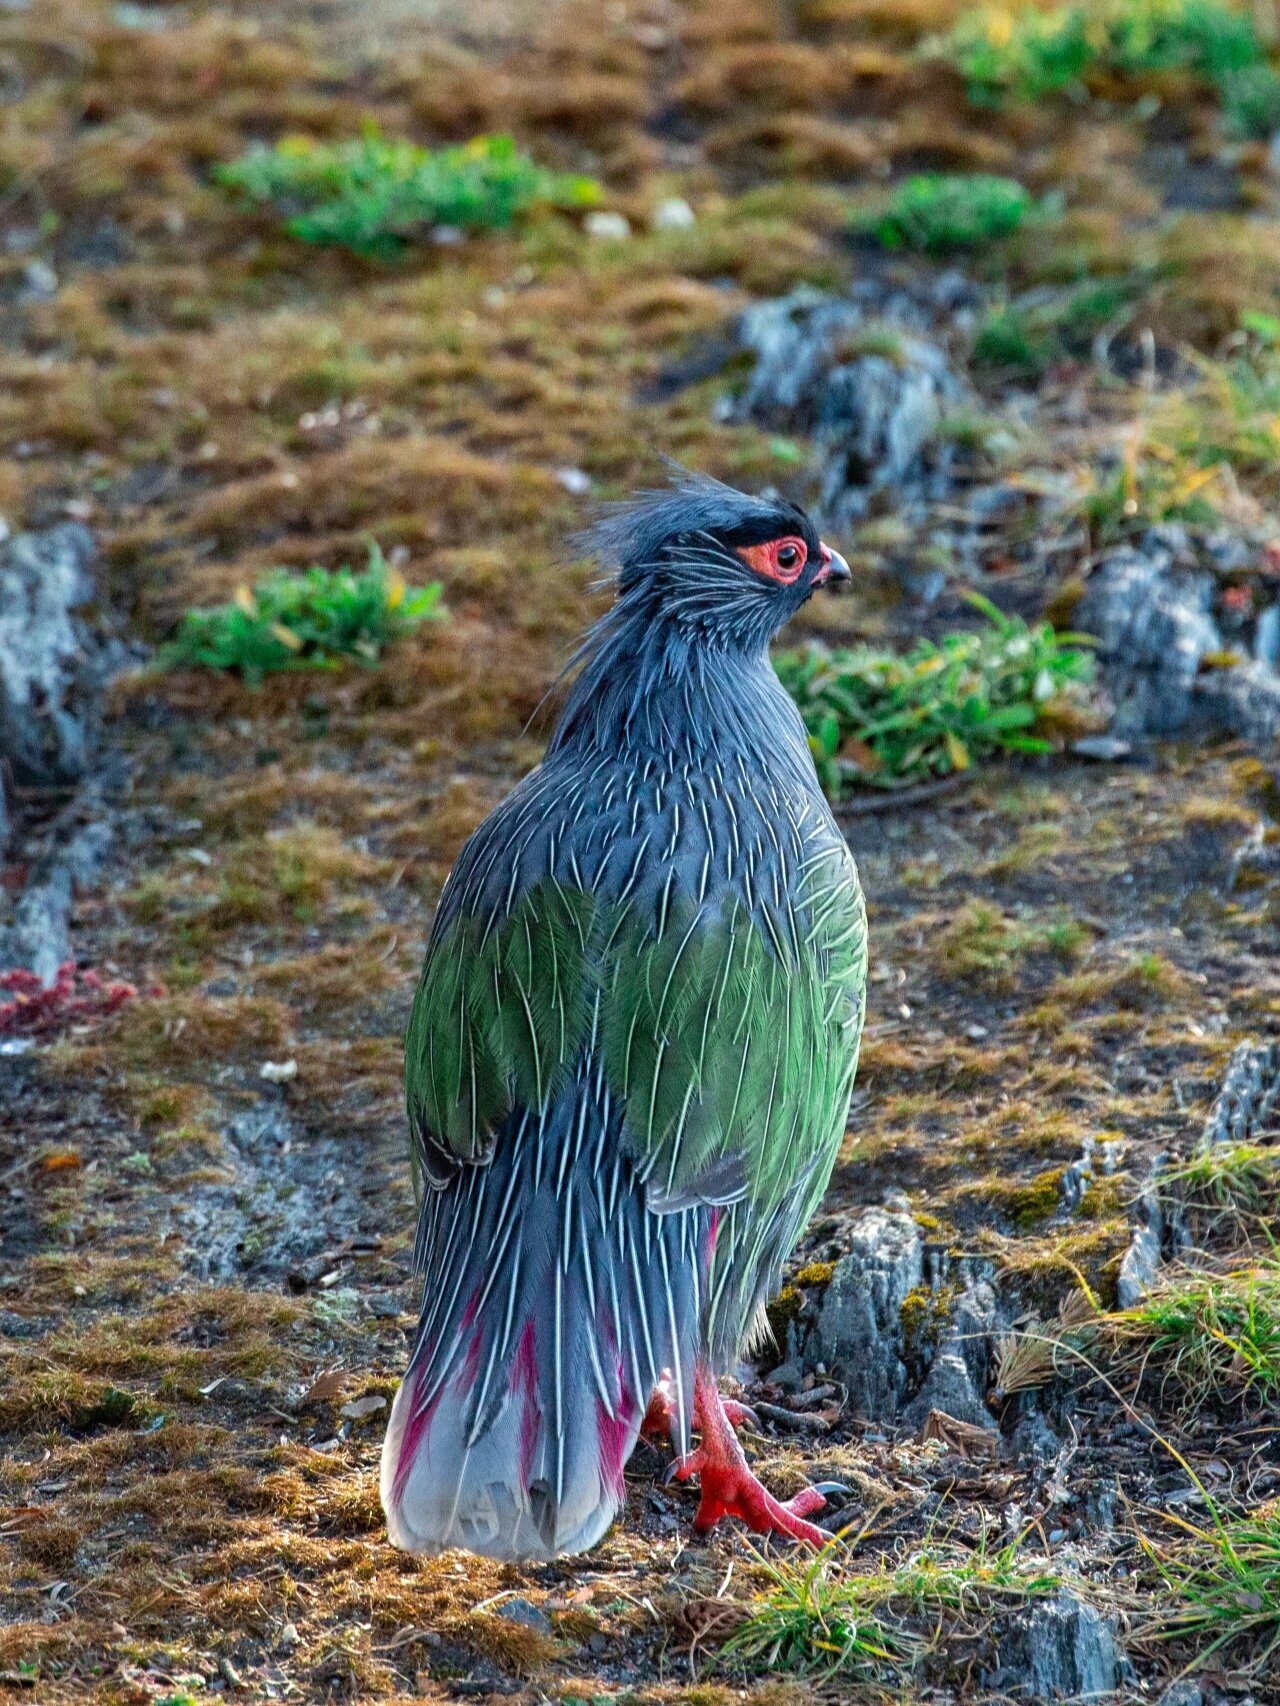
(959, 1372)
(858, 1330)
(1065, 1650)
(1155, 627)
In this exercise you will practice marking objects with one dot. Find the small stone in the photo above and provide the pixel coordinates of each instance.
(359, 1408)
(448, 236)
(576, 481)
(288, 1636)
(383, 1305)
(40, 281)
(603, 224)
(1182, 1692)
(1105, 749)
(673, 214)
(278, 1071)
(525, 1612)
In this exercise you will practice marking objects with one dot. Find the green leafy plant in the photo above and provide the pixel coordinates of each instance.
(304, 621)
(941, 211)
(1031, 54)
(376, 196)
(885, 718)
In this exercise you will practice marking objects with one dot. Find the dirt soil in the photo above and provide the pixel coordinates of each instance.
(205, 1277)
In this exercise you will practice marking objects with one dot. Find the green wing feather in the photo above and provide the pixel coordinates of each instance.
(732, 1046)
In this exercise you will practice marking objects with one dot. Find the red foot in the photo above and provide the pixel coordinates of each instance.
(728, 1486)
(660, 1418)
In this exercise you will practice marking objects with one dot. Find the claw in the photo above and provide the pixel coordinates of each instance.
(827, 1488)
(742, 1415)
(669, 1473)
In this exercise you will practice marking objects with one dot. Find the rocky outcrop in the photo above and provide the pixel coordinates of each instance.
(1065, 1650)
(898, 1330)
(858, 1331)
(1249, 1101)
(52, 662)
(862, 375)
(1153, 618)
(56, 657)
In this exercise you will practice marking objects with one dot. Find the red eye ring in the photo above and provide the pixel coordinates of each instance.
(780, 560)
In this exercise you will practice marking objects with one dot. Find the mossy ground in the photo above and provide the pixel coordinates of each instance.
(1057, 953)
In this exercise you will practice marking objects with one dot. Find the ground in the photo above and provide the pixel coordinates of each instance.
(188, 1487)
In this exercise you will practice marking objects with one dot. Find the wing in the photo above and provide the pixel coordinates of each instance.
(727, 1028)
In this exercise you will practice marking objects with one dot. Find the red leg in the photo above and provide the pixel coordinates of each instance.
(728, 1486)
(660, 1417)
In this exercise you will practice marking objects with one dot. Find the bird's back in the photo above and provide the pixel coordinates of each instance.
(631, 1052)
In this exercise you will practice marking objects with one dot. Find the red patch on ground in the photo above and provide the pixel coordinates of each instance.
(74, 997)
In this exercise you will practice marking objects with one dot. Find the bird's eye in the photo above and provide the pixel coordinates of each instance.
(780, 560)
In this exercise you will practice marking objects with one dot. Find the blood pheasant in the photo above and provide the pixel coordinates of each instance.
(630, 1056)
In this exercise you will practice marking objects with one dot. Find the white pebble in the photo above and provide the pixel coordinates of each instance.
(604, 224)
(575, 481)
(278, 1071)
(674, 214)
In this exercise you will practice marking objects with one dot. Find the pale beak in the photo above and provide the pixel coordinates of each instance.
(834, 567)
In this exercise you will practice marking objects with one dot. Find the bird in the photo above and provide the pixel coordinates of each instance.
(630, 1056)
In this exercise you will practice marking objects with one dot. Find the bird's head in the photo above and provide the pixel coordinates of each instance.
(714, 563)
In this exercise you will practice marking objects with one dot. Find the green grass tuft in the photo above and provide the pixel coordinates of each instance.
(882, 718)
(938, 212)
(1222, 1588)
(1213, 1333)
(376, 196)
(817, 1617)
(1028, 335)
(304, 621)
(1033, 54)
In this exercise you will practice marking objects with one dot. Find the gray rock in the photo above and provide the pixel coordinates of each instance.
(1033, 1440)
(39, 938)
(1249, 1102)
(1154, 623)
(1153, 629)
(39, 935)
(525, 1612)
(948, 1387)
(1103, 749)
(1065, 1650)
(1244, 700)
(857, 372)
(1141, 1262)
(50, 659)
(1182, 1692)
(960, 1370)
(55, 659)
(858, 1330)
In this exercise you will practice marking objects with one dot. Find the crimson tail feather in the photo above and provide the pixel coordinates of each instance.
(554, 1302)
